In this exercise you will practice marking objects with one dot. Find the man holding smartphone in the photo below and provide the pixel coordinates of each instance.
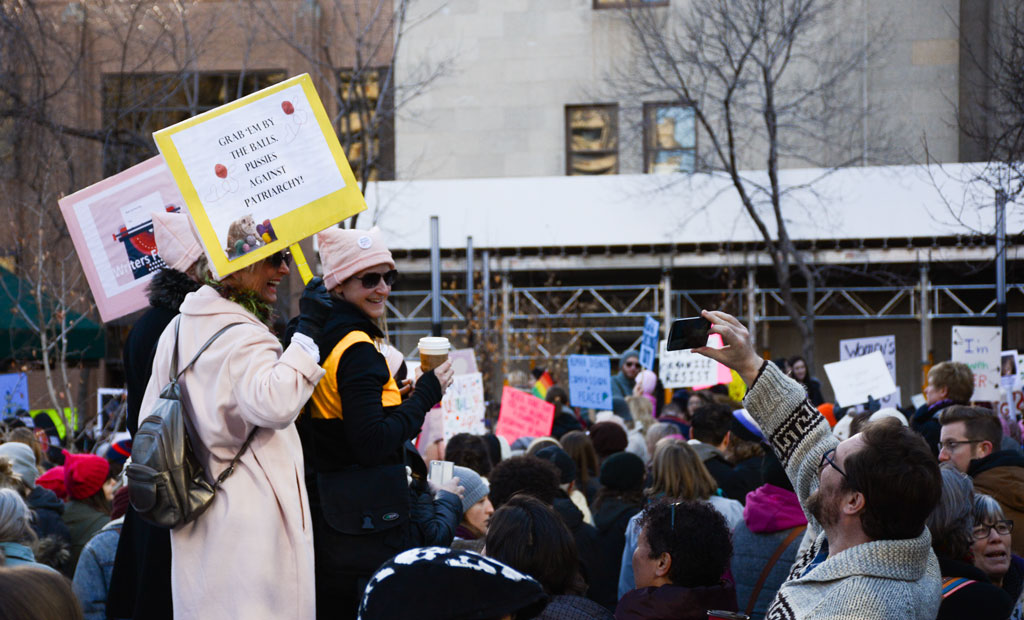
(866, 498)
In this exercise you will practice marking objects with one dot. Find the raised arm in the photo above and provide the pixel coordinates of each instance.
(797, 432)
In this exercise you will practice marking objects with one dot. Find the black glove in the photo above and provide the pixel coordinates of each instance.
(314, 308)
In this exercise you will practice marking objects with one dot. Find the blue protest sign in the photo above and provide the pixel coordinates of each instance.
(590, 381)
(649, 343)
(13, 392)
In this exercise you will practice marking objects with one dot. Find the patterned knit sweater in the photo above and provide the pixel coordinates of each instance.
(879, 579)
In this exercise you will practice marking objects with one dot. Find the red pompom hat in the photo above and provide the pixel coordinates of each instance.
(84, 474)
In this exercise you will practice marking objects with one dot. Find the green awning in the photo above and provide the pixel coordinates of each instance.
(86, 341)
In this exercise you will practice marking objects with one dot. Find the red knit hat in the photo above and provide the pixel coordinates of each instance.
(84, 474)
(53, 479)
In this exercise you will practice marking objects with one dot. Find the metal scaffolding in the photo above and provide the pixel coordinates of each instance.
(556, 320)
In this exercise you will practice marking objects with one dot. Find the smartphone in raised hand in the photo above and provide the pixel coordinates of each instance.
(688, 333)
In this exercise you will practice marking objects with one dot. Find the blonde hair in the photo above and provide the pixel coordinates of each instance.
(678, 472)
(642, 410)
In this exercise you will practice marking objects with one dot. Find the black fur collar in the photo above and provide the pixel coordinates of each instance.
(168, 288)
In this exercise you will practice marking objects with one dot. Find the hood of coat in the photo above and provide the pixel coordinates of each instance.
(612, 510)
(570, 514)
(1002, 458)
(44, 499)
(169, 287)
(671, 602)
(772, 509)
(207, 302)
(705, 451)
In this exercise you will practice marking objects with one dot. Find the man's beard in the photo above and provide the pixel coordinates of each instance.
(823, 507)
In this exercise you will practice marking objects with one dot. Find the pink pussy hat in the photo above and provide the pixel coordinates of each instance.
(345, 252)
(175, 241)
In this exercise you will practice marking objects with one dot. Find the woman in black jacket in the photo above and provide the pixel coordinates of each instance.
(140, 582)
(356, 434)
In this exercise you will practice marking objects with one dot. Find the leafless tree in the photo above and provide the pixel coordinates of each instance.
(772, 83)
(991, 116)
(349, 52)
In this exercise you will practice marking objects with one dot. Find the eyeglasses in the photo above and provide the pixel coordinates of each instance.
(278, 258)
(1003, 528)
(952, 444)
(372, 279)
(825, 458)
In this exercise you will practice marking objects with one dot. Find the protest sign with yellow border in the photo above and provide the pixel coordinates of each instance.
(261, 173)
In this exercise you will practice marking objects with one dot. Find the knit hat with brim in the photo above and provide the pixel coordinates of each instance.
(566, 466)
(436, 583)
(23, 461)
(476, 488)
(345, 252)
(84, 474)
(176, 242)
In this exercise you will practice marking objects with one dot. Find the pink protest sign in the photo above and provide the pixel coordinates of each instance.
(112, 229)
(724, 374)
(523, 415)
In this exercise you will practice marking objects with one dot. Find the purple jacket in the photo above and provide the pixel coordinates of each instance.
(672, 602)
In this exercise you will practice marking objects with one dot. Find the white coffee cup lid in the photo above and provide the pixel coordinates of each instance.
(437, 344)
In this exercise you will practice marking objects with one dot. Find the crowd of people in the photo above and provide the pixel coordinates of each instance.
(779, 506)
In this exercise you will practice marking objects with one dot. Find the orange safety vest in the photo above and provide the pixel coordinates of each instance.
(326, 400)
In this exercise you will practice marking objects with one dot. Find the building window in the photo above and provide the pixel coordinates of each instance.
(622, 4)
(137, 104)
(366, 123)
(591, 139)
(670, 138)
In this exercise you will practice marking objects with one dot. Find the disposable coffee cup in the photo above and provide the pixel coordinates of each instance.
(433, 352)
(718, 614)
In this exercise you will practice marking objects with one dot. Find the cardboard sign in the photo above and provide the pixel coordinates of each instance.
(649, 342)
(463, 361)
(266, 170)
(590, 381)
(858, 347)
(463, 406)
(685, 368)
(112, 229)
(855, 379)
(14, 393)
(979, 348)
(523, 415)
(724, 372)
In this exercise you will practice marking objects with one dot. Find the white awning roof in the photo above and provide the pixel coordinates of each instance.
(855, 203)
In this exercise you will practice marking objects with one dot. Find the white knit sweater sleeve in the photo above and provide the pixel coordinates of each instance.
(798, 433)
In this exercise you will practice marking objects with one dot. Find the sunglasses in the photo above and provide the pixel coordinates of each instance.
(284, 257)
(372, 279)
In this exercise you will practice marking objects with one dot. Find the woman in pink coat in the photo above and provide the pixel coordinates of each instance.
(250, 555)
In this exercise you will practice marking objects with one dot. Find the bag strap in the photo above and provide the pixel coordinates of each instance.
(796, 531)
(175, 375)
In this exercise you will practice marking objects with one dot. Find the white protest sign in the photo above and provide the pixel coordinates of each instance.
(979, 348)
(685, 368)
(260, 173)
(649, 342)
(463, 406)
(1008, 377)
(590, 381)
(859, 347)
(854, 380)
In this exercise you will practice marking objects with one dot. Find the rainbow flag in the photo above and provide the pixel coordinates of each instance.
(540, 388)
